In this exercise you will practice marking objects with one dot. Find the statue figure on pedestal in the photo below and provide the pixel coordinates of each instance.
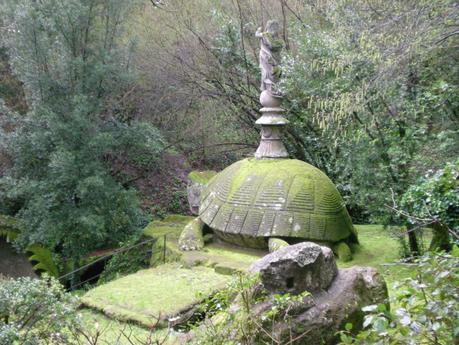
(270, 47)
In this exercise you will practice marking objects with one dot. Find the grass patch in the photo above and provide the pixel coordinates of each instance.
(381, 250)
(171, 226)
(161, 292)
(376, 247)
(226, 258)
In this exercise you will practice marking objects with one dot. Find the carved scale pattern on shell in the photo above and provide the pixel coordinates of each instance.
(284, 198)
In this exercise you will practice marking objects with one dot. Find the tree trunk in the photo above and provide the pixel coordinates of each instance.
(440, 240)
(413, 242)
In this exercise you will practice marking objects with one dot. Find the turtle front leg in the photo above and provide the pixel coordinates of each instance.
(192, 237)
(276, 244)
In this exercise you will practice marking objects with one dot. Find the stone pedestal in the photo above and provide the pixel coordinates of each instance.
(271, 122)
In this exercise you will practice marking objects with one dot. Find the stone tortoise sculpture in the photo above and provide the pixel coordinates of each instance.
(270, 200)
(261, 203)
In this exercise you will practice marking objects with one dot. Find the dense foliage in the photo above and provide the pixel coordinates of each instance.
(375, 101)
(69, 154)
(425, 308)
(371, 103)
(36, 312)
(434, 201)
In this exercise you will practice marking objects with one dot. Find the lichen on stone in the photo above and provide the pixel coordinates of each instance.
(275, 197)
(192, 237)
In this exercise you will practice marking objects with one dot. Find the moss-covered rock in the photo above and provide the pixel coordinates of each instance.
(342, 251)
(192, 237)
(197, 181)
(202, 177)
(276, 244)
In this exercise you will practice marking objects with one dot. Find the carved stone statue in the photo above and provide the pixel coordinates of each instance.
(271, 46)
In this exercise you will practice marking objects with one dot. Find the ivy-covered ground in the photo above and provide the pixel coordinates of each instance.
(171, 288)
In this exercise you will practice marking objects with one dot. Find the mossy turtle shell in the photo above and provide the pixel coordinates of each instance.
(275, 198)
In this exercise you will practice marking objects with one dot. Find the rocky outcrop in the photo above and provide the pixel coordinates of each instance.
(196, 182)
(336, 296)
(319, 316)
(293, 269)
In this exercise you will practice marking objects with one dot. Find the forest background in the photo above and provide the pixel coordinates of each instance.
(108, 104)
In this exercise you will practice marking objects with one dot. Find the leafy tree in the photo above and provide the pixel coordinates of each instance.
(374, 100)
(70, 153)
(434, 202)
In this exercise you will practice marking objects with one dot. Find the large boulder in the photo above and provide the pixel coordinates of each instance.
(351, 290)
(329, 299)
(293, 269)
(197, 180)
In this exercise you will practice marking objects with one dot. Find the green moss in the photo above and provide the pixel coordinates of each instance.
(160, 292)
(230, 253)
(226, 257)
(192, 237)
(278, 169)
(171, 226)
(276, 244)
(302, 201)
(225, 269)
(201, 177)
(164, 252)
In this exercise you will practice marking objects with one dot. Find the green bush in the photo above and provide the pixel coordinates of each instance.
(425, 308)
(35, 312)
(434, 201)
(133, 256)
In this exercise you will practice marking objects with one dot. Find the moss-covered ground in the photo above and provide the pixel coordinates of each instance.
(379, 248)
(225, 259)
(169, 288)
(157, 293)
(171, 227)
